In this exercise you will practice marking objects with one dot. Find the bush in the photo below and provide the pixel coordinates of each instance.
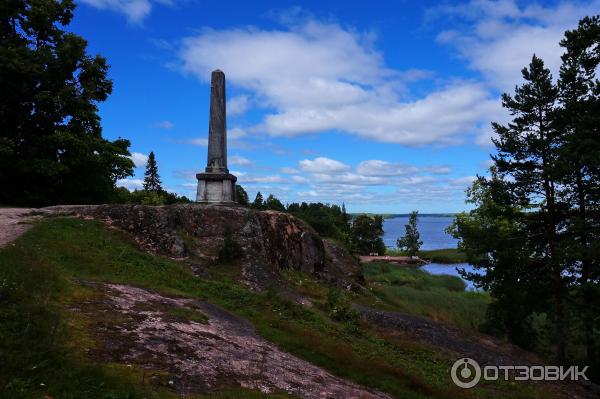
(339, 306)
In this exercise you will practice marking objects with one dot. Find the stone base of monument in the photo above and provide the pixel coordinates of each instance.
(216, 187)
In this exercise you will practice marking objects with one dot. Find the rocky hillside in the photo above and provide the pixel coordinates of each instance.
(270, 241)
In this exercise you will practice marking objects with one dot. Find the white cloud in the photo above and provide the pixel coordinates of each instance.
(168, 125)
(501, 36)
(236, 133)
(377, 167)
(238, 105)
(134, 10)
(289, 171)
(239, 160)
(299, 179)
(199, 141)
(131, 184)
(322, 165)
(261, 179)
(139, 159)
(316, 77)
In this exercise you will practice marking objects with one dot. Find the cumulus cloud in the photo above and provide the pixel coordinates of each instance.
(239, 160)
(322, 165)
(369, 181)
(131, 184)
(238, 105)
(247, 179)
(134, 10)
(500, 37)
(377, 167)
(316, 77)
(139, 159)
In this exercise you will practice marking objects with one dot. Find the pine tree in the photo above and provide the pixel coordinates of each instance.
(274, 204)
(258, 201)
(528, 154)
(152, 181)
(241, 195)
(411, 242)
(580, 120)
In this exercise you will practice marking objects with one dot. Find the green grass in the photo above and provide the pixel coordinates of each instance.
(41, 341)
(412, 290)
(448, 255)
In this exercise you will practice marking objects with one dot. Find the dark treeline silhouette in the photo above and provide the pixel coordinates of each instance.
(535, 229)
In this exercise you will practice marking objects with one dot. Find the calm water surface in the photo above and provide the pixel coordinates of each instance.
(432, 231)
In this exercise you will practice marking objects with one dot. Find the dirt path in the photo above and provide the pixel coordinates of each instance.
(13, 223)
(141, 327)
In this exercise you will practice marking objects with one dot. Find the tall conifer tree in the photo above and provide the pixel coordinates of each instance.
(152, 181)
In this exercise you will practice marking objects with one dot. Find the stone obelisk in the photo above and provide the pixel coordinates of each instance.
(216, 184)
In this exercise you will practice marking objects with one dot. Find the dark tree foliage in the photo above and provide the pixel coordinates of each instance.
(152, 181)
(328, 220)
(527, 153)
(366, 235)
(411, 242)
(535, 231)
(579, 120)
(274, 204)
(241, 196)
(258, 202)
(143, 197)
(51, 147)
(495, 238)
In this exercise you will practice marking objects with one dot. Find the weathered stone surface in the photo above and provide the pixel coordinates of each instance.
(341, 265)
(138, 328)
(270, 240)
(216, 185)
(217, 129)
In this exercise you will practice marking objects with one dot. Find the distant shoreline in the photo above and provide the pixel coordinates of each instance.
(400, 215)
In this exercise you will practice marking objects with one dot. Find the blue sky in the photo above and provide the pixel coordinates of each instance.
(385, 106)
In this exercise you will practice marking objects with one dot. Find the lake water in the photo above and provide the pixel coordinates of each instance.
(432, 231)
(439, 268)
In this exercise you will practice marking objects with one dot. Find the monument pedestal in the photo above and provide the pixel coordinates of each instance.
(216, 187)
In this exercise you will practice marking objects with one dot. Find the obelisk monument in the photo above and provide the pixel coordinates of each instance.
(216, 184)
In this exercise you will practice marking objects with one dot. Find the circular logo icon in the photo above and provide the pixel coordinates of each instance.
(465, 373)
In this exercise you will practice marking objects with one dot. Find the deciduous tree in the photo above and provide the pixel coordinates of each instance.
(51, 146)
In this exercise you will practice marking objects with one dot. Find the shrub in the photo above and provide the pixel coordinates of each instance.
(339, 306)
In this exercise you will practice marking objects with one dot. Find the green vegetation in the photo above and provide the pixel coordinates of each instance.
(39, 279)
(411, 241)
(448, 255)
(535, 228)
(153, 193)
(366, 235)
(51, 146)
(152, 181)
(330, 221)
(412, 290)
